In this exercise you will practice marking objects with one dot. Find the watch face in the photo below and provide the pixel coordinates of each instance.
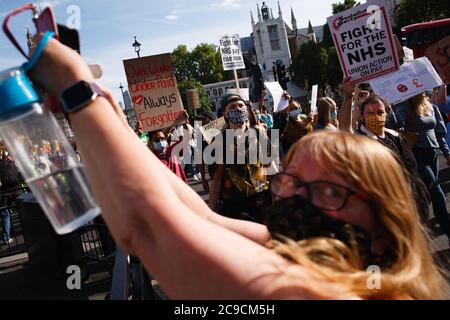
(77, 96)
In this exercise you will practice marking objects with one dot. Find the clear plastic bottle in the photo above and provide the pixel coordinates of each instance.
(43, 155)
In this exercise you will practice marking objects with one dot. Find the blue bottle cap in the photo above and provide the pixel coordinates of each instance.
(16, 93)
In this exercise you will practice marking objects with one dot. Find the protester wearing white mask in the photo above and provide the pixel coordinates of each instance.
(159, 145)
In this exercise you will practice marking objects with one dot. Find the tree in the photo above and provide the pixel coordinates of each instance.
(310, 65)
(334, 70)
(336, 8)
(207, 63)
(342, 6)
(182, 62)
(327, 40)
(187, 84)
(203, 63)
(415, 11)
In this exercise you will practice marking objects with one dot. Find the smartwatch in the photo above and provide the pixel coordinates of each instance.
(79, 96)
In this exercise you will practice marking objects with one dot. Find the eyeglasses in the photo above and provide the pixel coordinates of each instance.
(323, 194)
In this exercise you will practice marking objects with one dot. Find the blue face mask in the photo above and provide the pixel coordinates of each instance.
(333, 115)
(160, 146)
(295, 113)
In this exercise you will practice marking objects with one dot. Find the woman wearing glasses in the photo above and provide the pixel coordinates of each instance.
(366, 210)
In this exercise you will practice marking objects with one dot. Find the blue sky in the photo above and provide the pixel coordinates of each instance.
(108, 26)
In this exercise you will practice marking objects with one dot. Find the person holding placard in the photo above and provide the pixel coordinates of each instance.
(240, 189)
(373, 116)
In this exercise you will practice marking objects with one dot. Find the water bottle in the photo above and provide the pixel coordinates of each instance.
(43, 154)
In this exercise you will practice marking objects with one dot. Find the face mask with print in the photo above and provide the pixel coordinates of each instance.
(375, 124)
(295, 113)
(298, 219)
(238, 116)
(160, 146)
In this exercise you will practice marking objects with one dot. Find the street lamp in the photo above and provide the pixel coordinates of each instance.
(137, 47)
(121, 87)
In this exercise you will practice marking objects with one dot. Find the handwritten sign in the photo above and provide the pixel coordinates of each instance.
(243, 92)
(364, 41)
(230, 49)
(439, 55)
(412, 79)
(314, 93)
(154, 91)
(212, 129)
(276, 91)
(193, 99)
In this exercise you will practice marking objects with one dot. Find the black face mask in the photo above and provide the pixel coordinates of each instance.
(298, 219)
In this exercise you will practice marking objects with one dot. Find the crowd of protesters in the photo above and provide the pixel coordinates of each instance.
(346, 192)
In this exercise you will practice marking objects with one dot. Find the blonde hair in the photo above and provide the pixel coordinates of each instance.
(372, 170)
(422, 106)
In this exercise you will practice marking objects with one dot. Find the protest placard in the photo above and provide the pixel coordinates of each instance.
(363, 38)
(193, 99)
(154, 92)
(314, 93)
(276, 91)
(230, 49)
(243, 92)
(409, 54)
(439, 55)
(212, 129)
(412, 79)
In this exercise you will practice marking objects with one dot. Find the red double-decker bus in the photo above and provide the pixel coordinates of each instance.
(420, 36)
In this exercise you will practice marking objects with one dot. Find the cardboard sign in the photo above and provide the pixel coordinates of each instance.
(230, 49)
(212, 129)
(154, 91)
(315, 89)
(439, 55)
(193, 99)
(243, 92)
(276, 91)
(363, 38)
(412, 79)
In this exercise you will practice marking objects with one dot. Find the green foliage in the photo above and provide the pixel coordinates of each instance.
(337, 7)
(334, 70)
(327, 40)
(203, 63)
(310, 65)
(415, 11)
(342, 6)
(184, 85)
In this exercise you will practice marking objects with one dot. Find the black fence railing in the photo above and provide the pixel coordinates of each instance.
(130, 280)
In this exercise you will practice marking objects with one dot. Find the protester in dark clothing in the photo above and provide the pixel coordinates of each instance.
(10, 181)
(240, 189)
(373, 119)
(424, 118)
